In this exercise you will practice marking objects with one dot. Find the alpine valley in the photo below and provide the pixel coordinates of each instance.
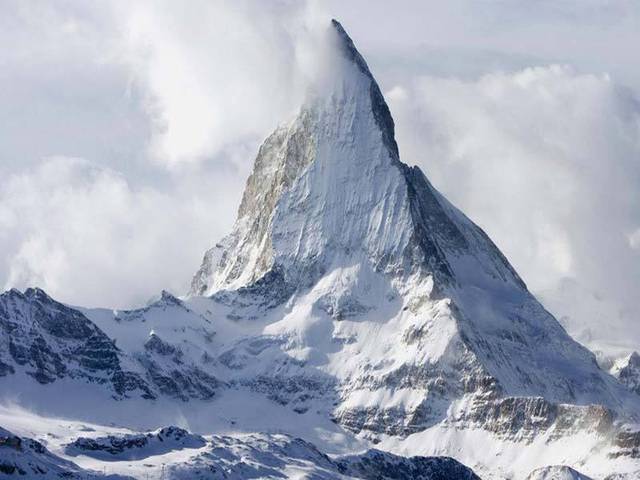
(354, 324)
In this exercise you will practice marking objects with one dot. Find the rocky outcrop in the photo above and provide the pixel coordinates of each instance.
(524, 418)
(627, 370)
(374, 465)
(167, 301)
(626, 443)
(135, 446)
(557, 472)
(49, 341)
(27, 458)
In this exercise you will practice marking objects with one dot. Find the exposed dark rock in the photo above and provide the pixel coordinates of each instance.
(627, 443)
(526, 417)
(135, 446)
(37, 336)
(27, 458)
(157, 345)
(6, 369)
(628, 372)
(377, 465)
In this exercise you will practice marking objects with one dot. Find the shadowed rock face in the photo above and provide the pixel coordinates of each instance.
(135, 446)
(27, 458)
(627, 370)
(50, 341)
(375, 464)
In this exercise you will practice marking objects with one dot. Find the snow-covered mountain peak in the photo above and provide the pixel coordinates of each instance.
(379, 107)
(334, 226)
(328, 190)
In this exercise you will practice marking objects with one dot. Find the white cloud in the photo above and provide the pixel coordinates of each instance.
(65, 88)
(634, 239)
(219, 72)
(547, 160)
(168, 106)
(85, 235)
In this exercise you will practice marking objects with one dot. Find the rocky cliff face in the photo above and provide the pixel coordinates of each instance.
(49, 341)
(627, 370)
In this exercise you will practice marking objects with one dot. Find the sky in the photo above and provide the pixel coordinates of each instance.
(128, 130)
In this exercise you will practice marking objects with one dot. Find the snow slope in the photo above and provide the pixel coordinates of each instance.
(28, 458)
(171, 452)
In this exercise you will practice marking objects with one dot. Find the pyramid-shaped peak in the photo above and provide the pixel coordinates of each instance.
(332, 216)
(329, 187)
(378, 105)
(349, 49)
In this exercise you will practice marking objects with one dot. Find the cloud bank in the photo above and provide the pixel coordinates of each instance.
(84, 234)
(130, 132)
(547, 160)
(218, 73)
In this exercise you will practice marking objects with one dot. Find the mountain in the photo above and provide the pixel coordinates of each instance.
(47, 341)
(627, 370)
(352, 306)
(352, 243)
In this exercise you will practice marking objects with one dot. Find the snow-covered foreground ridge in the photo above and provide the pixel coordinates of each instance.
(352, 305)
